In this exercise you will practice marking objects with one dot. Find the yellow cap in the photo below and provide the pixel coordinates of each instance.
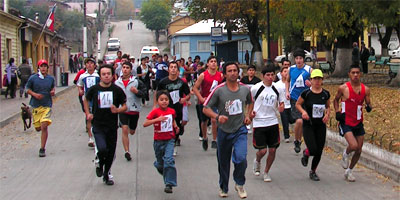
(316, 73)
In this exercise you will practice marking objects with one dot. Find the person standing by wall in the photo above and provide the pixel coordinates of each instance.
(247, 57)
(24, 72)
(355, 54)
(11, 71)
(364, 55)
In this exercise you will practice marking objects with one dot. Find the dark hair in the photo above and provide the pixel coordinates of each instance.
(24, 61)
(100, 62)
(227, 64)
(251, 67)
(201, 64)
(285, 60)
(354, 66)
(172, 62)
(211, 57)
(161, 92)
(197, 57)
(281, 70)
(128, 63)
(165, 55)
(143, 59)
(268, 69)
(119, 52)
(299, 52)
(11, 60)
(108, 67)
(159, 56)
(182, 59)
(146, 57)
(125, 56)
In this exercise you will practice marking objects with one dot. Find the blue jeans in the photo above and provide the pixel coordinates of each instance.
(225, 143)
(165, 161)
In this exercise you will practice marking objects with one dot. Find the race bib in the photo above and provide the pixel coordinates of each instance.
(235, 107)
(299, 81)
(359, 112)
(174, 96)
(90, 81)
(166, 126)
(105, 99)
(318, 110)
(269, 100)
(213, 85)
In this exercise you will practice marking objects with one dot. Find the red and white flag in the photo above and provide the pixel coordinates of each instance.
(50, 19)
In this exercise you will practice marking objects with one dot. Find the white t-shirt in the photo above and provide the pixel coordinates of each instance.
(266, 105)
(281, 86)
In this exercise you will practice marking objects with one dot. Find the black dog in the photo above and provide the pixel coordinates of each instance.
(26, 114)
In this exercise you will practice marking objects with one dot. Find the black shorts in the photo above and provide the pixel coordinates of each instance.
(203, 117)
(357, 130)
(264, 137)
(295, 113)
(130, 120)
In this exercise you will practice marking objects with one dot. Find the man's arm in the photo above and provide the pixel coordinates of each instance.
(141, 90)
(287, 85)
(197, 86)
(337, 98)
(368, 107)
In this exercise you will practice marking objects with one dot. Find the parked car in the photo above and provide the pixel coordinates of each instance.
(113, 44)
(148, 51)
(109, 58)
(308, 57)
(395, 53)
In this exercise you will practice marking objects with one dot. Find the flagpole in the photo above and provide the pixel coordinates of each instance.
(44, 26)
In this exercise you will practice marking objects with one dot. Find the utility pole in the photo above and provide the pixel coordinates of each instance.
(98, 32)
(6, 5)
(268, 35)
(84, 31)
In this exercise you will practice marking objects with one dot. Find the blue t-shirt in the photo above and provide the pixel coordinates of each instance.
(298, 77)
(181, 72)
(162, 70)
(41, 86)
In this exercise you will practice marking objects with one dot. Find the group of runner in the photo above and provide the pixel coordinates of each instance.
(112, 97)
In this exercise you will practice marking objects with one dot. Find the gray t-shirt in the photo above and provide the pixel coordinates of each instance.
(231, 104)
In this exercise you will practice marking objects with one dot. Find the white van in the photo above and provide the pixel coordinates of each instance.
(149, 51)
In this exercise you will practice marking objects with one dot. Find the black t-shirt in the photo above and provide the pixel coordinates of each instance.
(102, 99)
(315, 104)
(245, 80)
(177, 89)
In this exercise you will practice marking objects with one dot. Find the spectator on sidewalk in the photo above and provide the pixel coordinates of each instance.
(11, 71)
(364, 55)
(355, 54)
(247, 57)
(24, 72)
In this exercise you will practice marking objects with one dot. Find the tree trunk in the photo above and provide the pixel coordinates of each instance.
(328, 56)
(229, 33)
(157, 36)
(385, 40)
(343, 62)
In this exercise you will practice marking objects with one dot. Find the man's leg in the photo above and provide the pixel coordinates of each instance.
(43, 138)
(111, 142)
(357, 152)
(224, 152)
(239, 155)
(270, 159)
(125, 137)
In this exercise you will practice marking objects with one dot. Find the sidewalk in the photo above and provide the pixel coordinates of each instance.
(10, 109)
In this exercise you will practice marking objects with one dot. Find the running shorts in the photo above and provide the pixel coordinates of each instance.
(264, 137)
(295, 113)
(357, 130)
(41, 114)
(130, 120)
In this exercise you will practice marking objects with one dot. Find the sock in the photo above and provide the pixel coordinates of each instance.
(345, 154)
(348, 170)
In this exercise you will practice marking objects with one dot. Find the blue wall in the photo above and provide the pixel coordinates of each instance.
(193, 39)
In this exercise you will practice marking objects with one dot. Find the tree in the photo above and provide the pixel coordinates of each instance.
(124, 9)
(155, 15)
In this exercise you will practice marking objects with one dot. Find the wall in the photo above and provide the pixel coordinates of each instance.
(394, 42)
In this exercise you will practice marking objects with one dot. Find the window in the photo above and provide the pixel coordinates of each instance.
(244, 45)
(203, 45)
(177, 49)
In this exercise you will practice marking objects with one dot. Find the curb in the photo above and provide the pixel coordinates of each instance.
(16, 115)
(380, 160)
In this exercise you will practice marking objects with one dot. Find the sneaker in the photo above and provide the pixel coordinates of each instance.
(209, 130)
(304, 159)
(287, 140)
(345, 160)
(128, 156)
(90, 142)
(175, 151)
(297, 147)
(348, 175)
(256, 167)
(222, 194)
(313, 176)
(241, 191)
(200, 138)
(178, 142)
(168, 189)
(107, 180)
(267, 178)
(214, 144)
(99, 168)
(205, 144)
(42, 152)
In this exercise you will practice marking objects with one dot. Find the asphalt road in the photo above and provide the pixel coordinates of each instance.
(68, 172)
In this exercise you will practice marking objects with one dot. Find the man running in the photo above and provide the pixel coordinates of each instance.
(134, 90)
(352, 96)
(286, 115)
(206, 82)
(162, 71)
(86, 81)
(298, 81)
(231, 98)
(41, 87)
(267, 101)
(108, 100)
(179, 93)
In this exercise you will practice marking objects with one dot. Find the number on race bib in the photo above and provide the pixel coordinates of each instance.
(235, 107)
(90, 81)
(105, 99)
(318, 110)
(166, 126)
(269, 100)
(359, 112)
(174, 96)
(299, 81)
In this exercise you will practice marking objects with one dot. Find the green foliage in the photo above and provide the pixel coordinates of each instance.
(155, 14)
(124, 9)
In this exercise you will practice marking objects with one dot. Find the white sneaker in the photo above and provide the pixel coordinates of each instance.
(348, 175)
(345, 160)
(256, 167)
(287, 140)
(175, 151)
(267, 178)
(200, 138)
(209, 130)
(241, 191)
(91, 142)
(222, 194)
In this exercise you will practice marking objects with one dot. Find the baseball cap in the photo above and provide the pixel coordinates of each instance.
(317, 73)
(90, 59)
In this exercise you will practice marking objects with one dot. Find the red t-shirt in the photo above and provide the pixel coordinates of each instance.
(353, 106)
(78, 75)
(210, 82)
(163, 130)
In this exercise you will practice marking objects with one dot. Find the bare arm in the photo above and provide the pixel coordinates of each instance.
(149, 122)
(196, 88)
(327, 111)
(287, 85)
(299, 107)
(337, 98)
